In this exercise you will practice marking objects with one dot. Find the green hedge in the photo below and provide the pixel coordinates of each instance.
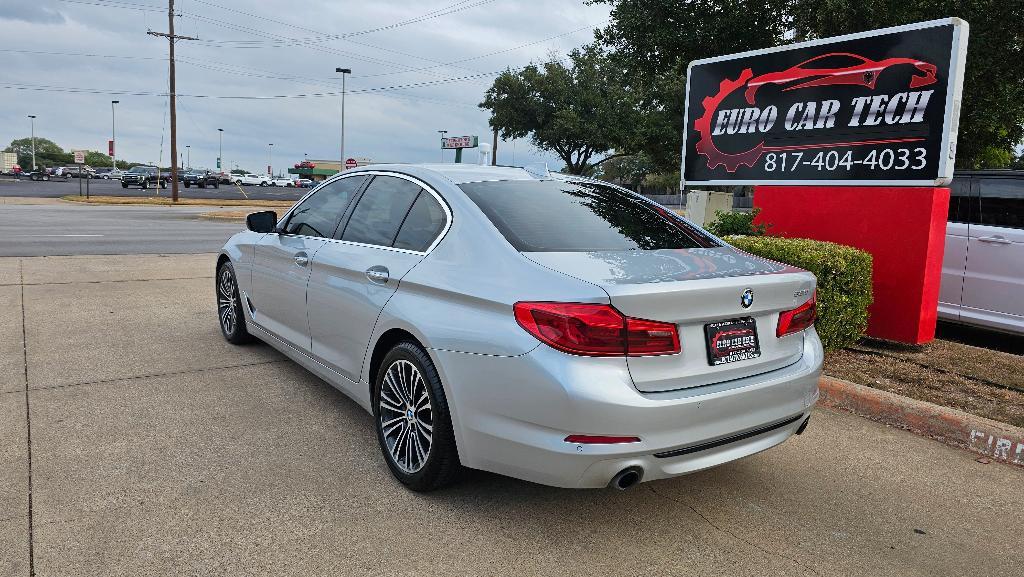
(844, 281)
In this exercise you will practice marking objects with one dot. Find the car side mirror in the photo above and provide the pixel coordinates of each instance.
(265, 221)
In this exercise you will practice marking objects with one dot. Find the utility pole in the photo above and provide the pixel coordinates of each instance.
(171, 37)
(113, 134)
(33, 121)
(494, 149)
(344, 72)
(188, 157)
(220, 150)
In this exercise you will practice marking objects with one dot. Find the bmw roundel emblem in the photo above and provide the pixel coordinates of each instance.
(747, 298)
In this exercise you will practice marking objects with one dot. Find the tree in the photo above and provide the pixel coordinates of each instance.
(630, 170)
(47, 152)
(653, 41)
(992, 110)
(577, 110)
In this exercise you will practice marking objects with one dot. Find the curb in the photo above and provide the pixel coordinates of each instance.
(995, 440)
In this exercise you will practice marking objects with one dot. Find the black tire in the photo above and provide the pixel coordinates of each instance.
(263, 184)
(124, 185)
(230, 315)
(186, 184)
(163, 183)
(216, 185)
(441, 466)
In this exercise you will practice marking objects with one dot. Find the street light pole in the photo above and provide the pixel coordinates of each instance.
(113, 134)
(220, 149)
(344, 72)
(443, 132)
(270, 158)
(188, 157)
(33, 121)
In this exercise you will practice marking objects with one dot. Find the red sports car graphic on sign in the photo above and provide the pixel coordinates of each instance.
(861, 72)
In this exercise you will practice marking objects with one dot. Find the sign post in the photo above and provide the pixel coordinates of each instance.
(459, 143)
(848, 139)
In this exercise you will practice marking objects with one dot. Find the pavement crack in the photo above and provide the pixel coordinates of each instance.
(726, 531)
(28, 419)
(155, 375)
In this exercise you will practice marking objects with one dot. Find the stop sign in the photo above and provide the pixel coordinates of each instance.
(351, 163)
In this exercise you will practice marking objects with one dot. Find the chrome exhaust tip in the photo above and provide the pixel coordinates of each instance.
(627, 478)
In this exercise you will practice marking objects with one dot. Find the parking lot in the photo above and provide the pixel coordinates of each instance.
(137, 442)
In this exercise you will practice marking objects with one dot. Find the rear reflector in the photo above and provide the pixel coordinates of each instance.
(595, 330)
(799, 318)
(599, 440)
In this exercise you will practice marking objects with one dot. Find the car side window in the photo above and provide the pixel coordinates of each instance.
(318, 214)
(425, 221)
(1002, 202)
(959, 199)
(381, 211)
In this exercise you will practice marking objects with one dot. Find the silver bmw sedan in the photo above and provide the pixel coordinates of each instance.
(550, 328)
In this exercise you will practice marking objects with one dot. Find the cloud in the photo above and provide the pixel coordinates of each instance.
(38, 11)
(274, 47)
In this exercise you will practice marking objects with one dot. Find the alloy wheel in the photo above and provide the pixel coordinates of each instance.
(227, 301)
(406, 416)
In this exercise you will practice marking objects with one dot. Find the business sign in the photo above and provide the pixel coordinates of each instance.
(459, 142)
(79, 156)
(351, 163)
(110, 148)
(875, 108)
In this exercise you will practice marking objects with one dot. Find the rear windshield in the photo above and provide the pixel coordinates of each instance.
(555, 216)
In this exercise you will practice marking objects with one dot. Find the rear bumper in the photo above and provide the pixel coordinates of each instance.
(512, 414)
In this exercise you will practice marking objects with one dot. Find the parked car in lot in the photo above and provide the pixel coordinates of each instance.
(303, 183)
(76, 171)
(251, 180)
(555, 329)
(144, 177)
(283, 181)
(200, 178)
(108, 173)
(983, 266)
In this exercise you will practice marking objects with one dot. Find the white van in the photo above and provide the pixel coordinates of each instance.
(983, 266)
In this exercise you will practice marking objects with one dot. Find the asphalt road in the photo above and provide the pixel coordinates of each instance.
(58, 188)
(71, 229)
(135, 441)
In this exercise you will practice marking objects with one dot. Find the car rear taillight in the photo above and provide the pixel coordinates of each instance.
(595, 330)
(798, 319)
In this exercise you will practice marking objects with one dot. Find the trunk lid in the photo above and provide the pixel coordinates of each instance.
(691, 288)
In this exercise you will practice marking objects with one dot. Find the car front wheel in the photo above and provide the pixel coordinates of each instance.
(229, 307)
(414, 427)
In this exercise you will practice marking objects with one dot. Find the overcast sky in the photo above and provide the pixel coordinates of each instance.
(273, 48)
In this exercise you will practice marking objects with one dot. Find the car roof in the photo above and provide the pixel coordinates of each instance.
(462, 173)
(990, 172)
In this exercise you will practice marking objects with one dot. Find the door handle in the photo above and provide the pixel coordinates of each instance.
(301, 259)
(378, 274)
(994, 240)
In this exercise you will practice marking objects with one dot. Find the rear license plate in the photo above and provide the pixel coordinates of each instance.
(732, 340)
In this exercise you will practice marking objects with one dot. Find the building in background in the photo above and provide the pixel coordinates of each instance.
(318, 170)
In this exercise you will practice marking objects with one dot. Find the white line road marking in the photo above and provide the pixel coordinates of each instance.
(57, 235)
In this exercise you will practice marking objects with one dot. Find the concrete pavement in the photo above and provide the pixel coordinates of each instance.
(157, 448)
(69, 229)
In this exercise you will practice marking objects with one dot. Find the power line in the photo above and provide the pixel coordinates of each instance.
(71, 89)
(451, 9)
